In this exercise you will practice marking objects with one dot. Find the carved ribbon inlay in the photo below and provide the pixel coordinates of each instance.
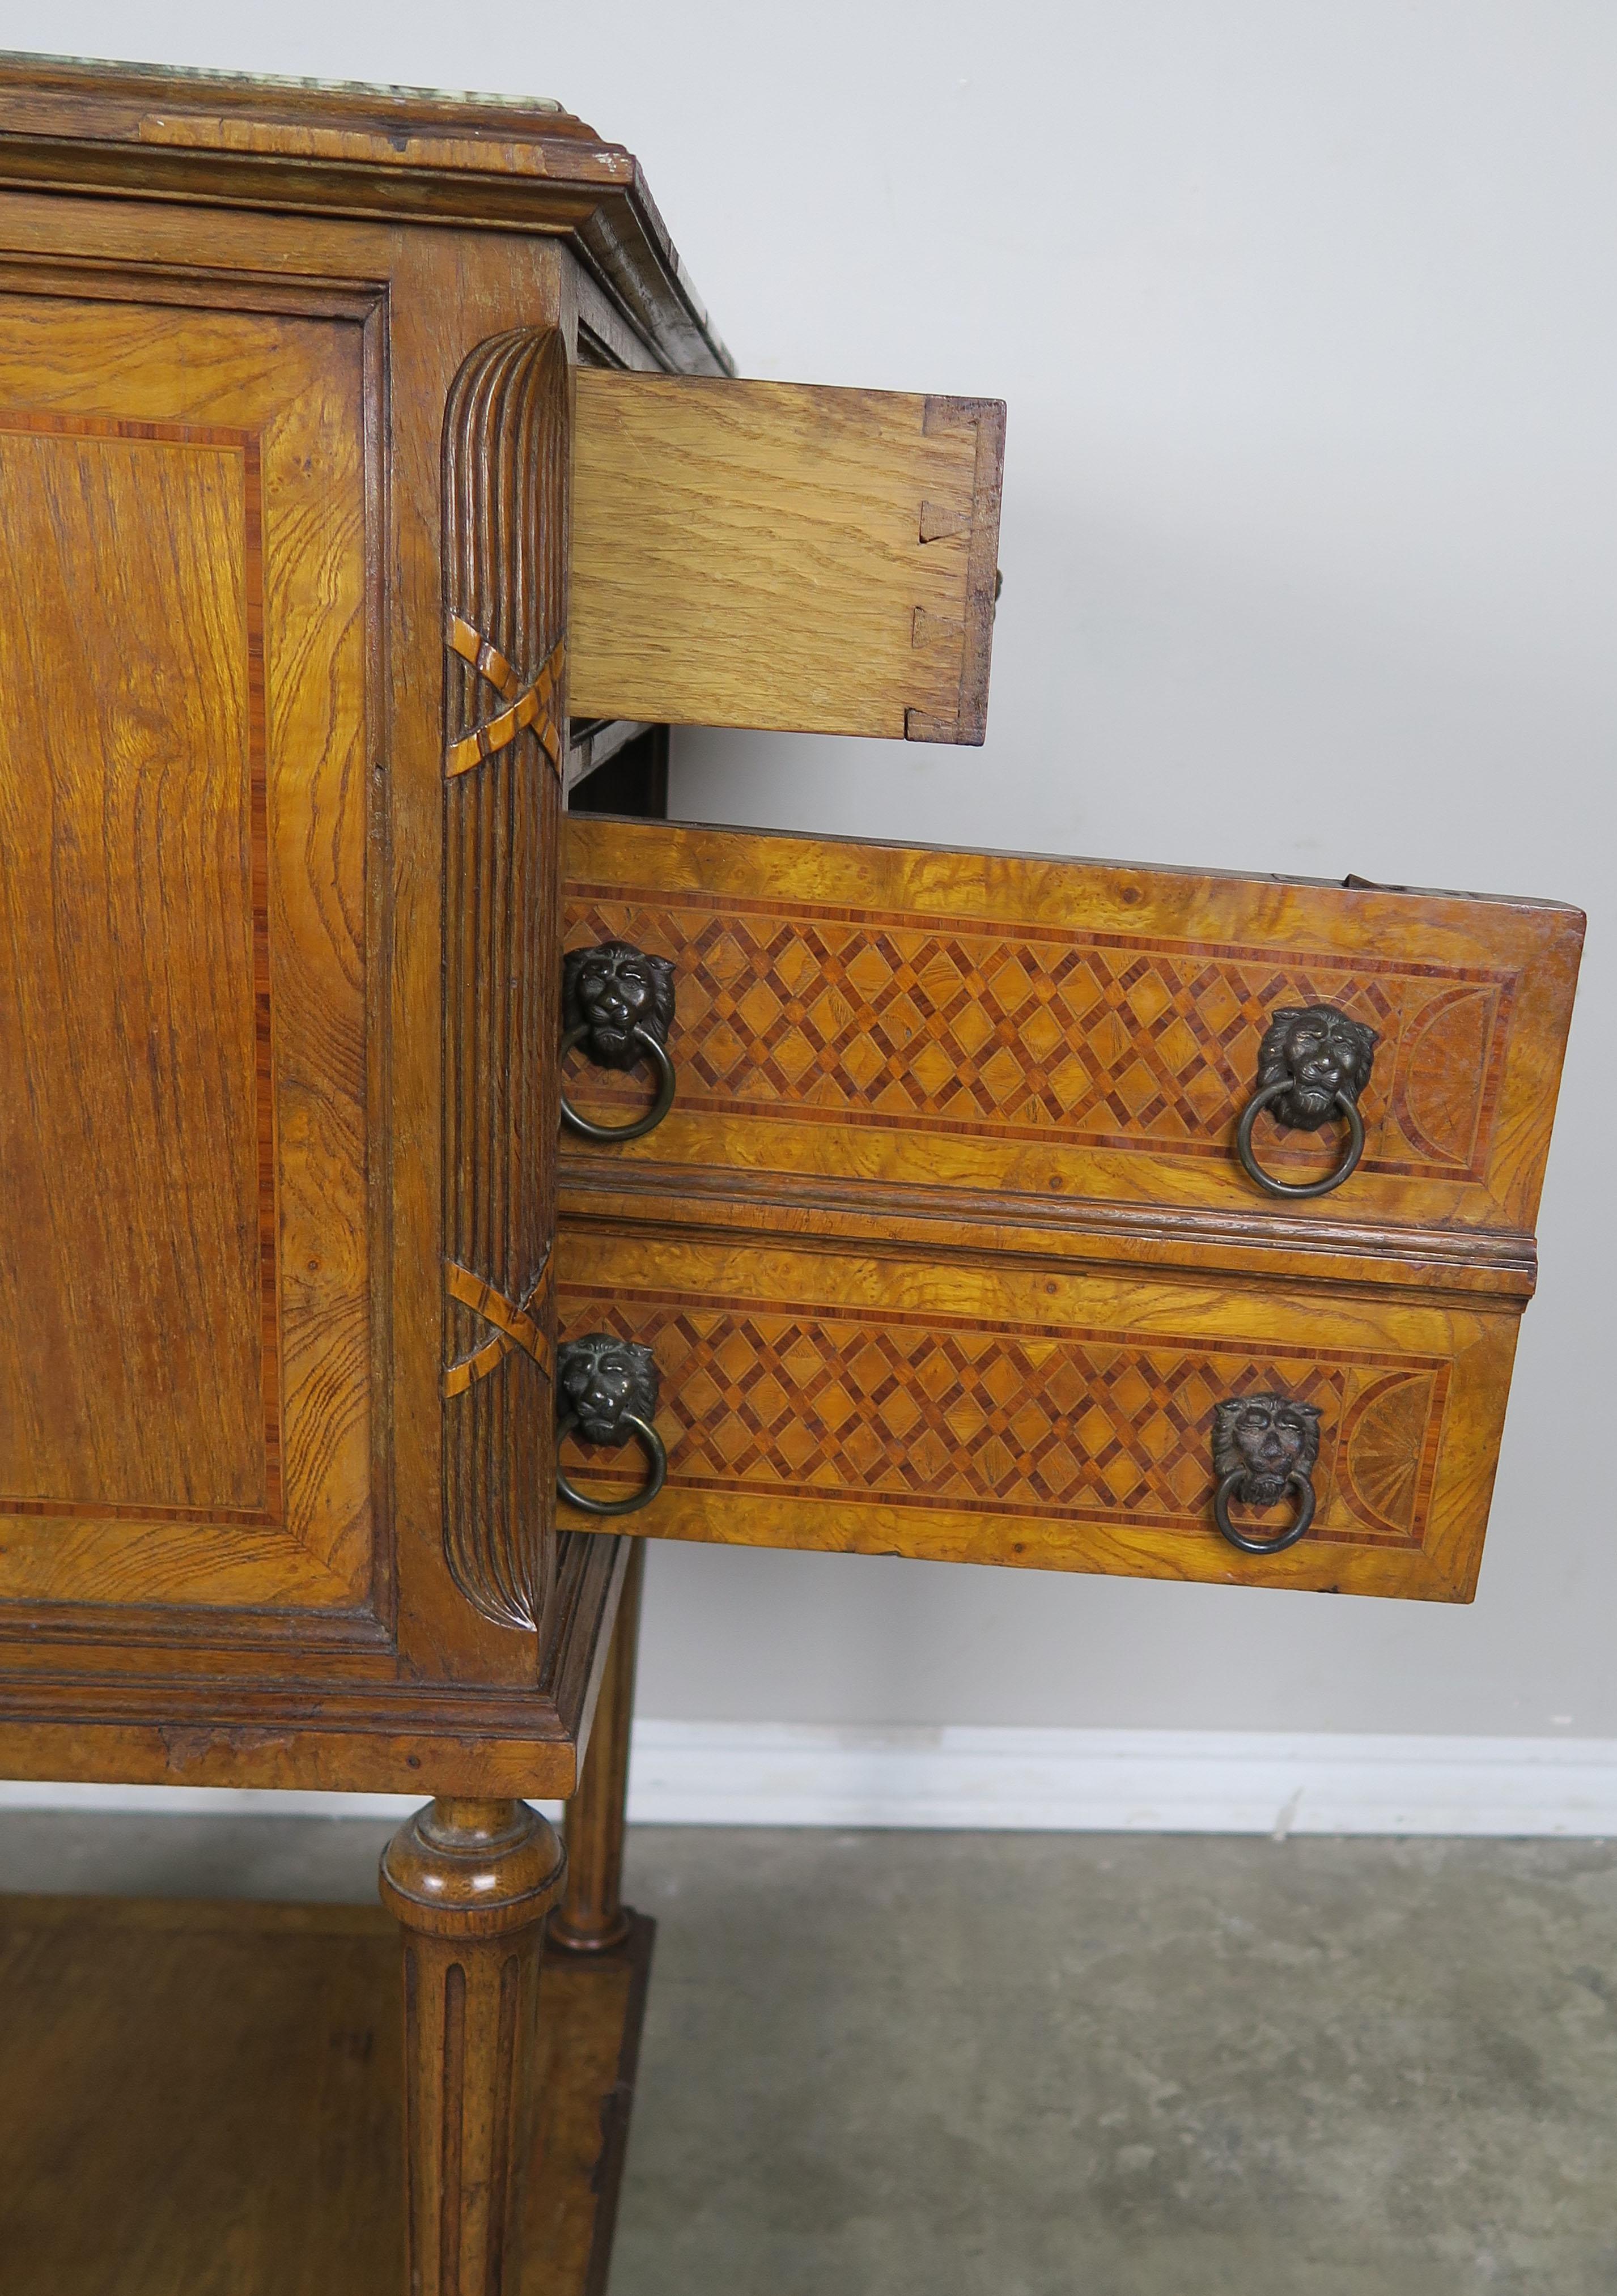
(529, 707)
(513, 1327)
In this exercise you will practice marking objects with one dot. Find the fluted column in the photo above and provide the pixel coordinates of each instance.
(470, 1884)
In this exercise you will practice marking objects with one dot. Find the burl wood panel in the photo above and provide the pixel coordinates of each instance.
(184, 1276)
(1071, 1030)
(784, 554)
(1007, 1412)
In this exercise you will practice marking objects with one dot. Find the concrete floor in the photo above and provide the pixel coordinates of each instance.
(1022, 2065)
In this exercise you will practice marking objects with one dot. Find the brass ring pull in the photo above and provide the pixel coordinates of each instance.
(655, 1451)
(608, 1134)
(1250, 1114)
(1230, 1488)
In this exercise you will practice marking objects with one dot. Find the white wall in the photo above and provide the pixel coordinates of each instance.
(1305, 317)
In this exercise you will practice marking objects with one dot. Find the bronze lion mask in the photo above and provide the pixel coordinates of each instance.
(600, 1379)
(1267, 1438)
(1319, 1052)
(612, 990)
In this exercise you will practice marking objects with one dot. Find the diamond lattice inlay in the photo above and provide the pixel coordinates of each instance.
(895, 1410)
(985, 1030)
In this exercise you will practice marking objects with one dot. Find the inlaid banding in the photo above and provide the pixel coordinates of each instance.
(529, 707)
(512, 1327)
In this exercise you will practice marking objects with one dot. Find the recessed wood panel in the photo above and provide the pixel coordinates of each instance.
(137, 1172)
(262, 292)
(184, 1302)
(1066, 1030)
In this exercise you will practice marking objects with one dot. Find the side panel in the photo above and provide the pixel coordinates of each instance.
(225, 807)
(185, 1340)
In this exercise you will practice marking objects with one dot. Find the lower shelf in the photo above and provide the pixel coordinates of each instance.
(205, 2100)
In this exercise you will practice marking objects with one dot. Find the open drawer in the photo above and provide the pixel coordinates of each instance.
(1010, 1412)
(947, 1248)
(1091, 1031)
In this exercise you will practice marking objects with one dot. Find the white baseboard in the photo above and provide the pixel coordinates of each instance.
(1122, 1781)
(1039, 1781)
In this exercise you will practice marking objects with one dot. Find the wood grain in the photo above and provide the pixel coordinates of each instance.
(336, 1648)
(589, 2050)
(221, 139)
(136, 1025)
(1073, 1031)
(469, 1882)
(185, 1287)
(784, 554)
(505, 463)
(86, 1696)
(591, 1917)
(349, 1653)
(261, 2044)
(1006, 1411)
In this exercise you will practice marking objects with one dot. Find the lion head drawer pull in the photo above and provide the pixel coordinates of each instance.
(619, 1003)
(1264, 1446)
(606, 1391)
(1313, 1063)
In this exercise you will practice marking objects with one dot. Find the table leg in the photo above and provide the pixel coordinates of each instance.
(591, 1917)
(469, 1882)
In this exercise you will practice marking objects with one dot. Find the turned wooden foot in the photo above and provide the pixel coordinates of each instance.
(591, 1917)
(469, 1882)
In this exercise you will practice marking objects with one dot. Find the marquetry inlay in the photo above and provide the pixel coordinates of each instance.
(1013, 1032)
(880, 1407)
(533, 705)
(514, 1326)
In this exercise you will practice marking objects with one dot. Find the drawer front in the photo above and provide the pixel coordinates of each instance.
(1067, 1031)
(1011, 1413)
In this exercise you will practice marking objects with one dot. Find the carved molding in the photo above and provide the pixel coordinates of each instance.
(506, 468)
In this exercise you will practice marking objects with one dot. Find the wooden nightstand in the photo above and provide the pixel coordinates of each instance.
(373, 477)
